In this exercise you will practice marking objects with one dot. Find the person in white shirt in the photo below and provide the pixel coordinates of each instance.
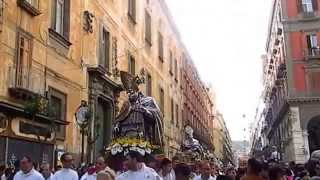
(137, 170)
(46, 171)
(206, 171)
(26, 171)
(66, 173)
(166, 171)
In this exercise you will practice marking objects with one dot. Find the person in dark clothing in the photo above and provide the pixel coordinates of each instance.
(16, 169)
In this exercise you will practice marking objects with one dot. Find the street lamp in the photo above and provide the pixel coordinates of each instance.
(82, 116)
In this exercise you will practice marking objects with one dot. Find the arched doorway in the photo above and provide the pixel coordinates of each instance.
(314, 134)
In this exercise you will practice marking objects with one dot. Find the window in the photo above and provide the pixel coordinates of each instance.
(160, 46)
(161, 94)
(104, 60)
(58, 109)
(171, 63)
(149, 85)
(314, 81)
(61, 19)
(172, 111)
(308, 5)
(312, 43)
(177, 115)
(24, 59)
(132, 65)
(148, 35)
(132, 10)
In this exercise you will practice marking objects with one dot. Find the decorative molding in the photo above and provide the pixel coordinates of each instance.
(28, 7)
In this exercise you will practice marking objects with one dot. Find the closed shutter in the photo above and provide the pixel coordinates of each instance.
(299, 5)
(315, 81)
(309, 41)
(148, 28)
(315, 5)
(66, 19)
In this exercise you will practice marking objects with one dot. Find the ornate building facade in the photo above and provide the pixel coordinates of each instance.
(291, 79)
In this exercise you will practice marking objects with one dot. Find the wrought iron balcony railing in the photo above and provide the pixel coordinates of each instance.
(312, 53)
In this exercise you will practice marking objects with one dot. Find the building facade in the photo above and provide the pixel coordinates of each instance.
(198, 107)
(222, 141)
(291, 79)
(57, 53)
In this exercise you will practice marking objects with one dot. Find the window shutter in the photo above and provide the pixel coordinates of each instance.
(134, 6)
(309, 41)
(299, 6)
(315, 5)
(66, 19)
(101, 45)
(53, 14)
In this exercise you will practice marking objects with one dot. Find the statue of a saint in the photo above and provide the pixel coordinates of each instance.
(140, 116)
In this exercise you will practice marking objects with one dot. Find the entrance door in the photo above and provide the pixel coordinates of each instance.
(314, 134)
(103, 125)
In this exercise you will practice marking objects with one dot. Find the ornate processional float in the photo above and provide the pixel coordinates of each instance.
(138, 126)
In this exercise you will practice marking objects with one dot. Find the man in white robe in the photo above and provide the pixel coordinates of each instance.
(137, 170)
(66, 173)
(27, 172)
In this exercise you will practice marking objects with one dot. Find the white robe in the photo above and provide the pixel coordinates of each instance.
(32, 175)
(145, 173)
(199, 178)
(87, 176)
(65, 174)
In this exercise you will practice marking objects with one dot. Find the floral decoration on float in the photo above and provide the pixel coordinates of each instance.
(122, 146)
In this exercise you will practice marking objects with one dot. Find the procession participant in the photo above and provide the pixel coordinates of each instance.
(206, 172)
(46, 171)
(182, 171)
(103, 171)
(231, 173)
(166, 171)
(91, 173)
(27, 172)
(137, 170)
(276, 173)
(66, 173)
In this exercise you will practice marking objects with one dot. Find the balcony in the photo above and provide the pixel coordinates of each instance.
(312, 53)
(26, 83)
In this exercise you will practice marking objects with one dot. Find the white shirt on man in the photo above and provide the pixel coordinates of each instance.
(65, 174)
(87, 176)
(145, 173)
(200, 178)
(31, 175)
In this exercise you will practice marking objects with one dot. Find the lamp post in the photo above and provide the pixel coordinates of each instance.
(82, 116)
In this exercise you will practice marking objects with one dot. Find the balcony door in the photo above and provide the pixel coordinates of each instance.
(314, 134)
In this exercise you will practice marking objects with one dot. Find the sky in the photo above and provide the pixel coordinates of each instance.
(226, 39)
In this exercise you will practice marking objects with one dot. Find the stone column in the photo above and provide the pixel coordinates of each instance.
(305, 136)
(297, 136)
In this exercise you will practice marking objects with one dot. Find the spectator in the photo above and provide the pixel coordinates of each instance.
(231, 173)
(206, 172)
(46, 171)
(27, 172)
(16, 165)
(276, 173)
(253, 171)
(2, 172)
(313, 166)
(66, 172)
(166, 171)
(182, 171)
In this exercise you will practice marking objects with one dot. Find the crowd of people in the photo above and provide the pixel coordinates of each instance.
(135, 168)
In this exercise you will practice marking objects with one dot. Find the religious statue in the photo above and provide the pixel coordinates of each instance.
(140, 116)
(191, 144)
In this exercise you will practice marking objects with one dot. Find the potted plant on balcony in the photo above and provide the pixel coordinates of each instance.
(35, 106)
